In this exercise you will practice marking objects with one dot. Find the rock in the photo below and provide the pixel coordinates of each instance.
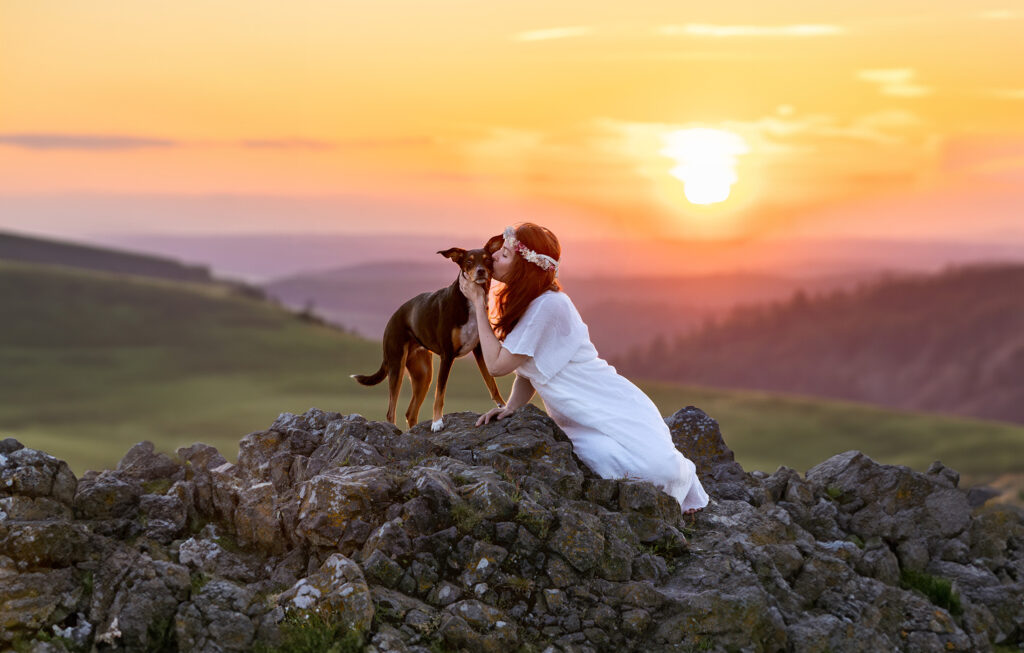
(648, 566)
(616, 562)
(579, 538)
(879, 562)
(537, 519)
(199, 460)
(699, 438)
(107, 495)
(727, 620)
(381, 570)
(216, 619)
(32, 473)
(141, 615)
(636, 621)
(10, 445)
(22, 508)
(489, 500)
(258, 518)
(200, 457)
(337, 588)
(165, 515)
(979, 495)
(144, 464)
(35, 601)
(206, 554)
(494, 539)
(338, 496)
(51, 543)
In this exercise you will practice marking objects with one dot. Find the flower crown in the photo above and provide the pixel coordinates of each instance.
(543, 261)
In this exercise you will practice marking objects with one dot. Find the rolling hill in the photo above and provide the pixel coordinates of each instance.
(91, 363)
(950, 343)
(622, 313)
(41, 251)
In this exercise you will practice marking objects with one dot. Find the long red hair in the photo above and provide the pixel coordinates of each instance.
(526, 281)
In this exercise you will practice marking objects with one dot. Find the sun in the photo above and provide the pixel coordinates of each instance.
(706, 162)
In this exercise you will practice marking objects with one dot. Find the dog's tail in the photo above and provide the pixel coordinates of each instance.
(374, 378)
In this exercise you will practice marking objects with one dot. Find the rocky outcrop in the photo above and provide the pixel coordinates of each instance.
(494, 538)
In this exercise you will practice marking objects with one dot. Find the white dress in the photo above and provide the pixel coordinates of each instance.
(615, 428)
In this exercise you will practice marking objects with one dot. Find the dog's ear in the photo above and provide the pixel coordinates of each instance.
(455, 253)
(494, 244)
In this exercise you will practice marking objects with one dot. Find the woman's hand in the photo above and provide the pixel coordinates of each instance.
(473, 292)
(498, 412)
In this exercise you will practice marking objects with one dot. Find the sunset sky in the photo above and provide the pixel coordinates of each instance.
(644, 119)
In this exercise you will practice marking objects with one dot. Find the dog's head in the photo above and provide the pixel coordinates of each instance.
(474, 263)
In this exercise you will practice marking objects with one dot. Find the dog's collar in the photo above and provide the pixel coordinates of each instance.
(543, 261)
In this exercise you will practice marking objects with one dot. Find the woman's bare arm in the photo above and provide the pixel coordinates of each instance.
(499, 360)
(522, 392)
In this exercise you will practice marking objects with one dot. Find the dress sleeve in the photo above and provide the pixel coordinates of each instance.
(550, 333)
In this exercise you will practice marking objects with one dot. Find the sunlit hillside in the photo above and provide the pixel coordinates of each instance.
(92, 363)
(951, 343)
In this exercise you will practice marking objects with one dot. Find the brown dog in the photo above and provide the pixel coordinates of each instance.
(441, 322)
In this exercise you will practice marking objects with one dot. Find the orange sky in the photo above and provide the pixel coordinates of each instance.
(894, 118)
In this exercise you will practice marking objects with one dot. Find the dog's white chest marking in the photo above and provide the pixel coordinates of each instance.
(469, 336)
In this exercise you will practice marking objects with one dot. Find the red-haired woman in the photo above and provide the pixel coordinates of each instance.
(614, 427)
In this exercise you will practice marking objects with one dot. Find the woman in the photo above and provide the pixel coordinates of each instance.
(614, 427)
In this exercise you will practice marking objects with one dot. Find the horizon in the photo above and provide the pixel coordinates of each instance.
(262, 258)
(887, 121)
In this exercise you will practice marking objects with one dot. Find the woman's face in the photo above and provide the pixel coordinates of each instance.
(502, 261)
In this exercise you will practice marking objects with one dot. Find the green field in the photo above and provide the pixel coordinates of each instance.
(766, 430)
(91, 364)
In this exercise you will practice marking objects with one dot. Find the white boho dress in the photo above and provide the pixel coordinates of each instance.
(615, 428)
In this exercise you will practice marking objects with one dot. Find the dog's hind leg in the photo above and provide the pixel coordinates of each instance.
(395, 358)
(492, 387)
(442, 382)
(420, 365)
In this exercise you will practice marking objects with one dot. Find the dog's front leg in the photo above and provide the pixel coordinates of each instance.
(442, 383)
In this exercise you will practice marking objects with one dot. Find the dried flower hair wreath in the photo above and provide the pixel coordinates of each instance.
(543, 261)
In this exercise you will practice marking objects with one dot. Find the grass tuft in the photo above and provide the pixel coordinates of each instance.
(938, 590)
(314, 632)
(465, 517)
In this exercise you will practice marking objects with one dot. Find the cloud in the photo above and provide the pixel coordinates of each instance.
(1000, 14)
(783, 131)
(988, 155)
(899, 82)
(352, 144)
(553, 33)
(91, 142)
(287, 144)
(1005, 93)
(374, 143)
(722, 31)
(887, 75)
(112, 142)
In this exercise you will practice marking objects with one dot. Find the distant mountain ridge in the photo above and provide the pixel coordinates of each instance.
(621, 312)
(25, 249)
(951, 343)
(268, 256)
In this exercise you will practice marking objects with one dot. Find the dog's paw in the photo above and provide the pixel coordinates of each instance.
(437, 426)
